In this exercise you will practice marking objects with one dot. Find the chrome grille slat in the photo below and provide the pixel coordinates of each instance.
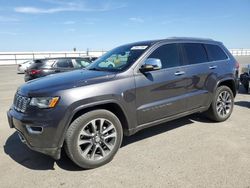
(21, 103)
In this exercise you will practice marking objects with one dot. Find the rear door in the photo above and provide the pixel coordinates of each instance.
(198, 71)
(161, 93)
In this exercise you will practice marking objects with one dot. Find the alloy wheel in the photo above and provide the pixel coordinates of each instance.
(97, 139)
(224, 103)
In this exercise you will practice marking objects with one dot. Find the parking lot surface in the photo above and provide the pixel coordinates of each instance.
(189, 152)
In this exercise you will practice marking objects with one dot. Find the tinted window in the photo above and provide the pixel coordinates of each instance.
(64, 63)
(195, 53)
(168, 54)
(215, 53)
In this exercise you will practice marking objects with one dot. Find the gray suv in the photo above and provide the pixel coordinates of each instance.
(88, 111)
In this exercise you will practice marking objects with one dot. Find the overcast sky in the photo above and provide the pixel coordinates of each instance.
(42, 25)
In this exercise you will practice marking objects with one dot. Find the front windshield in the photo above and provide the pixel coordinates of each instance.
(119, 58)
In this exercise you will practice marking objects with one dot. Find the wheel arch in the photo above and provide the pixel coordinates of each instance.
(111, 106)
(229, 83)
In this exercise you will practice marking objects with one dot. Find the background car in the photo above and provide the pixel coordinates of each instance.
(245, 77)
(44, 67)
(24, 66)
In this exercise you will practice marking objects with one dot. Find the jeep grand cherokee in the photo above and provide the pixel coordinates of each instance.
(88, 111)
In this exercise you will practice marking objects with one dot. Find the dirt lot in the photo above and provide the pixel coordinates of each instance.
(190, 152)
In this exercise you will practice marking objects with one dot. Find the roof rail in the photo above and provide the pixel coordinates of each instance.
(190, 38)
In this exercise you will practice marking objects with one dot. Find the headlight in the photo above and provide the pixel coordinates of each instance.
(44, 102)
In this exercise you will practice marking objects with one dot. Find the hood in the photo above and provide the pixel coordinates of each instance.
(62, 81)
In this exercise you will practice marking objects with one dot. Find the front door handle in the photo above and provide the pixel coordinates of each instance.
(213, 67)
(179, 73)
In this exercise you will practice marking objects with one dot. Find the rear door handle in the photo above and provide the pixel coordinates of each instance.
(179, 73)
(213, 67)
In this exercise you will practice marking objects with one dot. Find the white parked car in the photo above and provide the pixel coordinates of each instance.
(24, 66)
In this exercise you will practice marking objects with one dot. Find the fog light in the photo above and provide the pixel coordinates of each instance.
(34, 129)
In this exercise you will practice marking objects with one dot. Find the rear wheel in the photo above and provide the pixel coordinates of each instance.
(93, 139)
(222, 104)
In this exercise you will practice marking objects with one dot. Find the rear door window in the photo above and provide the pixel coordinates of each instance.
(215, 53)
(195, 53)
(168, 54)
(37, 64)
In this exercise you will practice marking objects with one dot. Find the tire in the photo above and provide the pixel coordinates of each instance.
(221, 108)
(93, 139)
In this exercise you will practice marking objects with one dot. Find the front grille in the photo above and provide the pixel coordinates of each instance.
(21, 103)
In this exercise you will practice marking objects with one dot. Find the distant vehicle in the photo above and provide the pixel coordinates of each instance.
(44, 67)
(24, 66)
(245, 77)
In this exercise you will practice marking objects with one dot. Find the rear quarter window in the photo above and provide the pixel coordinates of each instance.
(194, 53)
(64, 63)
(215, 53)
(49, 63)
(37, 64)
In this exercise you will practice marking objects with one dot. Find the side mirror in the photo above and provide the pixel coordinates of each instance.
(151, 64)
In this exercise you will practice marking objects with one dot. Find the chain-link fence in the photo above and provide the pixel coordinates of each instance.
(240, 52)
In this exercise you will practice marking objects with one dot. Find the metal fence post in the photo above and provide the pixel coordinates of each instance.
(15, 58)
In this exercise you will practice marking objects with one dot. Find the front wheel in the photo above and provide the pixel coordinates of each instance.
(93, 139)
(222, 104)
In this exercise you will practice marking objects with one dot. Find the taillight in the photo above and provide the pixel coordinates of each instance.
(33, 72)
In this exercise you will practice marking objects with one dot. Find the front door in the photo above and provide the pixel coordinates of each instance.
(161, 93)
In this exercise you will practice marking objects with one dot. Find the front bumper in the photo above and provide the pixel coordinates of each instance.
(244, 77)
(44, 141)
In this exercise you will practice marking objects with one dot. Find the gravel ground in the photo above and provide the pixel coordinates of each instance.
(189, 152)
